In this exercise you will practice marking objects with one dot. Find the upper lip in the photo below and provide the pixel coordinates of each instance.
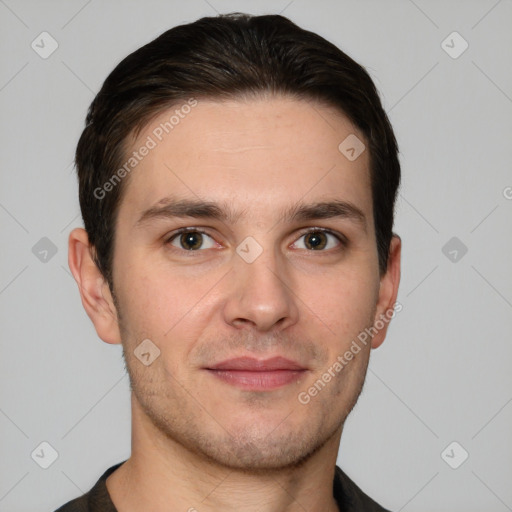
(257, 365)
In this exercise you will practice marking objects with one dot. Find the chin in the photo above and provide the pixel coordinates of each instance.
(255, 450)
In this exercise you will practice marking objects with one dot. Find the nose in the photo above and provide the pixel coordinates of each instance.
(261, 295)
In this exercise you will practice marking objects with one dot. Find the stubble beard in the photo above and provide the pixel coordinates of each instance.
(178, 418)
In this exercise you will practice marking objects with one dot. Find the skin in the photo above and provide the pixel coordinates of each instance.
(199, 442)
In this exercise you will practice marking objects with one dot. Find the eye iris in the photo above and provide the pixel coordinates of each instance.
(195, 240)
(316, 240)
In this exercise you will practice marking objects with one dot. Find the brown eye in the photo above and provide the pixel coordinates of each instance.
(315, 240)
(319, 240)
(191, 240)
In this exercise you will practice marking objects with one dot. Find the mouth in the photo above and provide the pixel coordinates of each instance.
(258, 375)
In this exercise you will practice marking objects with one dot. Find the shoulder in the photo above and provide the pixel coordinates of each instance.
(96, 500)
(76, 505)
(350, 497)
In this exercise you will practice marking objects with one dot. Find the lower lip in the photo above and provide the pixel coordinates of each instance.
(258, 380)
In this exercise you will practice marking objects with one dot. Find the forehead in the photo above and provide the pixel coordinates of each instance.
(263, 154)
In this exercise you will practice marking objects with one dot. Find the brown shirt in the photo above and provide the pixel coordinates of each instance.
(347, 494)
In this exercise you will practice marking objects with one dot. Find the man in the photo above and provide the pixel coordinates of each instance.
(237, 184)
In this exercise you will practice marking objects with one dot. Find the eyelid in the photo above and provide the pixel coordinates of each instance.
(312, 229)
(336, 234)
(189, 229)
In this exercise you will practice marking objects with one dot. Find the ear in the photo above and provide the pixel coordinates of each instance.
(388, 292)
(94, 290)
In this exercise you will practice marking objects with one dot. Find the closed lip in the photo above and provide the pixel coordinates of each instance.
(251, 364)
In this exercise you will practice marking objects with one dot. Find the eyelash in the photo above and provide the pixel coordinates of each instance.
(341, 239)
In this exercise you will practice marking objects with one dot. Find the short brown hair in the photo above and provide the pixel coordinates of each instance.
(225, 57)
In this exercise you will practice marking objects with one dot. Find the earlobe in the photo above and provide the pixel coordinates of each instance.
(388, 292)
(94, 291)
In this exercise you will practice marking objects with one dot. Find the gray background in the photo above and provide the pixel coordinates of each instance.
(442, 375)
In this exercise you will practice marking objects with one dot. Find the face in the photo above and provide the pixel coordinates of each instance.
(245, 251)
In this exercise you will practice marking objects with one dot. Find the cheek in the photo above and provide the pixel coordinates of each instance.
(163, 303)
(149, 304)
(158, 304)
(345, 303)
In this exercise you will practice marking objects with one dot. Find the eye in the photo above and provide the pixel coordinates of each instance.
(191, 240)
(319, 239)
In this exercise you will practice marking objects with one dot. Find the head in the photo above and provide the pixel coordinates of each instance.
(236, 129)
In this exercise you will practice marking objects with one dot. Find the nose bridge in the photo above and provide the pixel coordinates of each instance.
(260, 293)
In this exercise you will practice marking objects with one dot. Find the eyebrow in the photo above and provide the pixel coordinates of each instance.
(169, 208)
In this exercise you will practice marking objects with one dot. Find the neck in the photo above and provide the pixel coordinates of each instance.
(161, 475)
